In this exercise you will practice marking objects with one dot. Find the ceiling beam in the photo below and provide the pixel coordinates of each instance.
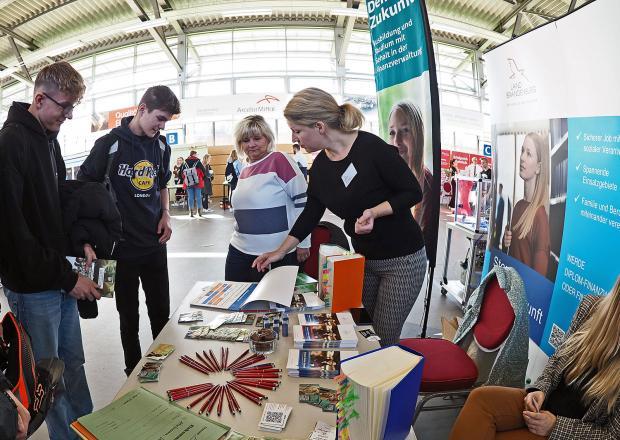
(545, 17)
(28, 44)
(157, 35)
(19, 58)
(504, 21)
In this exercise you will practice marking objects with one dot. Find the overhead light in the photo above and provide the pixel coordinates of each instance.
(53, 51)
(146, 25)
(349, 12)
(452, 29)
(246, 12)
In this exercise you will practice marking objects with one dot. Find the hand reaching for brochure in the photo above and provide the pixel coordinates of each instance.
(507, 237)
(262, 262)
(365, 222)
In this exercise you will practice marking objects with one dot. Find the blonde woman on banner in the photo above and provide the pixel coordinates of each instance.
(526, 237)
(406, 132)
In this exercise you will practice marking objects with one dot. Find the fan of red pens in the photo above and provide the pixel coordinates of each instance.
(247, 376)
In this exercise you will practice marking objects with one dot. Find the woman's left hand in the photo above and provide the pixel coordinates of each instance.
(365, 222)
(539, 423)
(302, 254)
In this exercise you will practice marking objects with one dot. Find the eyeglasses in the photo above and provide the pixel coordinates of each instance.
(67, 108)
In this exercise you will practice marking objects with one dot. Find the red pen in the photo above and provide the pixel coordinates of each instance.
(209, 360)
(248, 390)
(199, 399)
(234, 400)
(238, 358)
(210, 400)
(247, 395)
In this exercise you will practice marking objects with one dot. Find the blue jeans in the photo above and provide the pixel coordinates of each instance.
(194, 193)
(53, 324)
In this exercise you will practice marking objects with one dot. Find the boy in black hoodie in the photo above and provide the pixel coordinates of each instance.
(134, 161)
(38, 281)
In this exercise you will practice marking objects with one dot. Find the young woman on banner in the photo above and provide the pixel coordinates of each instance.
(527, 235)
(576, 397)
(361, 179)
(406, 132)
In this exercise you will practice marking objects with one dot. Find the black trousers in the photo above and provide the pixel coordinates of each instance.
(239, 266)
(152, 271)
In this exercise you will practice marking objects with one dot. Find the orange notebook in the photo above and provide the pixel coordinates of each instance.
(342, 278)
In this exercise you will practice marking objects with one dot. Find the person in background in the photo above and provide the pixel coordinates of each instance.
(362, 179)
(41, 288)
(231, 174)
(302, 163)
(473, 169)
(576, 397)
(454, 171)
(527, 236)
(499, 217)
(138, 175)
(406, 132)
(270, 195)
(207, 190)
(486, 170)
(179, 194)
(194, 191)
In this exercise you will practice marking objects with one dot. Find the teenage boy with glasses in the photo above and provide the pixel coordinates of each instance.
(38, 281)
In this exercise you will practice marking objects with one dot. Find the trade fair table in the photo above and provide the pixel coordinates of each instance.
(175, 374)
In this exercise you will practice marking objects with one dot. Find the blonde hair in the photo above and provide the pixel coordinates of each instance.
(233, 155)
(250, 126)
(415, 155)
(311, 105)
(61, 76)
(594, 347)
(540, 198)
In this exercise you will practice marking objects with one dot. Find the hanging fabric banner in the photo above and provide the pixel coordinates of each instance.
(408, 99)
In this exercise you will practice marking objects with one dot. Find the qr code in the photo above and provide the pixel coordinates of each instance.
(556, 337)
(274, 417)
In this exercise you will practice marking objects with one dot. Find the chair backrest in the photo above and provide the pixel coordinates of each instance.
(324, 232)
(495, 319)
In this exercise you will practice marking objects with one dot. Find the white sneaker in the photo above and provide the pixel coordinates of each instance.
(208, 210)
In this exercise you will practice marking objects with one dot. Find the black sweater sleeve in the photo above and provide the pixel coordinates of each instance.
(94, 166)
(51, 267)
(399, 178)
(309, 217)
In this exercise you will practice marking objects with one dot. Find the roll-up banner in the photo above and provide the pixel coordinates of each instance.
(555, 111)
(408, 99)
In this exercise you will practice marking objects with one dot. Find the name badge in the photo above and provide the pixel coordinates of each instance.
(348, 175)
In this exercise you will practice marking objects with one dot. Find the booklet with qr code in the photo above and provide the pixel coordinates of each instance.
(102, 272)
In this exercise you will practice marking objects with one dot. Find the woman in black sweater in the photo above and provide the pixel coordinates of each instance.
(363, 180)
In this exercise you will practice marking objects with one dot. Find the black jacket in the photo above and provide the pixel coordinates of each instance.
(140, 171)
(32, 241)
(89, 216)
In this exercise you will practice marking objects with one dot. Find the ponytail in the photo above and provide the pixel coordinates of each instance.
(312, 105)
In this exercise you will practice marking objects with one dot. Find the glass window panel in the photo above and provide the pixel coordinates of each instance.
(214, 49)
(211, 37)
(214, 88)
(360, 48)
(216, 67)
(151, 58)
(304, 64)
(308, 46)
(309, 33)
(223, 132)
(248, 64)
(199, 132)
(260, 46)
(360, 37)
(360, 65)
(125, 52)
(147, 47)
(260, 85)
(114, 66)
(113, 102)
(359, 87)
(328, 84)
(258, 34)
(155, 73)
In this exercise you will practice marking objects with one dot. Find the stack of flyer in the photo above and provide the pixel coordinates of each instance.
(324, 336)
(324, 364)
(342, 318)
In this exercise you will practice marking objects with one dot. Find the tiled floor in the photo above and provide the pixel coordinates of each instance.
(197, 251)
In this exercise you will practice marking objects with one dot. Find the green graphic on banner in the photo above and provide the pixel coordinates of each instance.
(398, 41)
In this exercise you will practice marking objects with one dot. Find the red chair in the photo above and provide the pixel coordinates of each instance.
(448, 370)
(324, 232)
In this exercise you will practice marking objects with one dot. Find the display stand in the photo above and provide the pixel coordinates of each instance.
(459, 290)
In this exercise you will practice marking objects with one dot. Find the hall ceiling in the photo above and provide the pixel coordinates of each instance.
(36, 32)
